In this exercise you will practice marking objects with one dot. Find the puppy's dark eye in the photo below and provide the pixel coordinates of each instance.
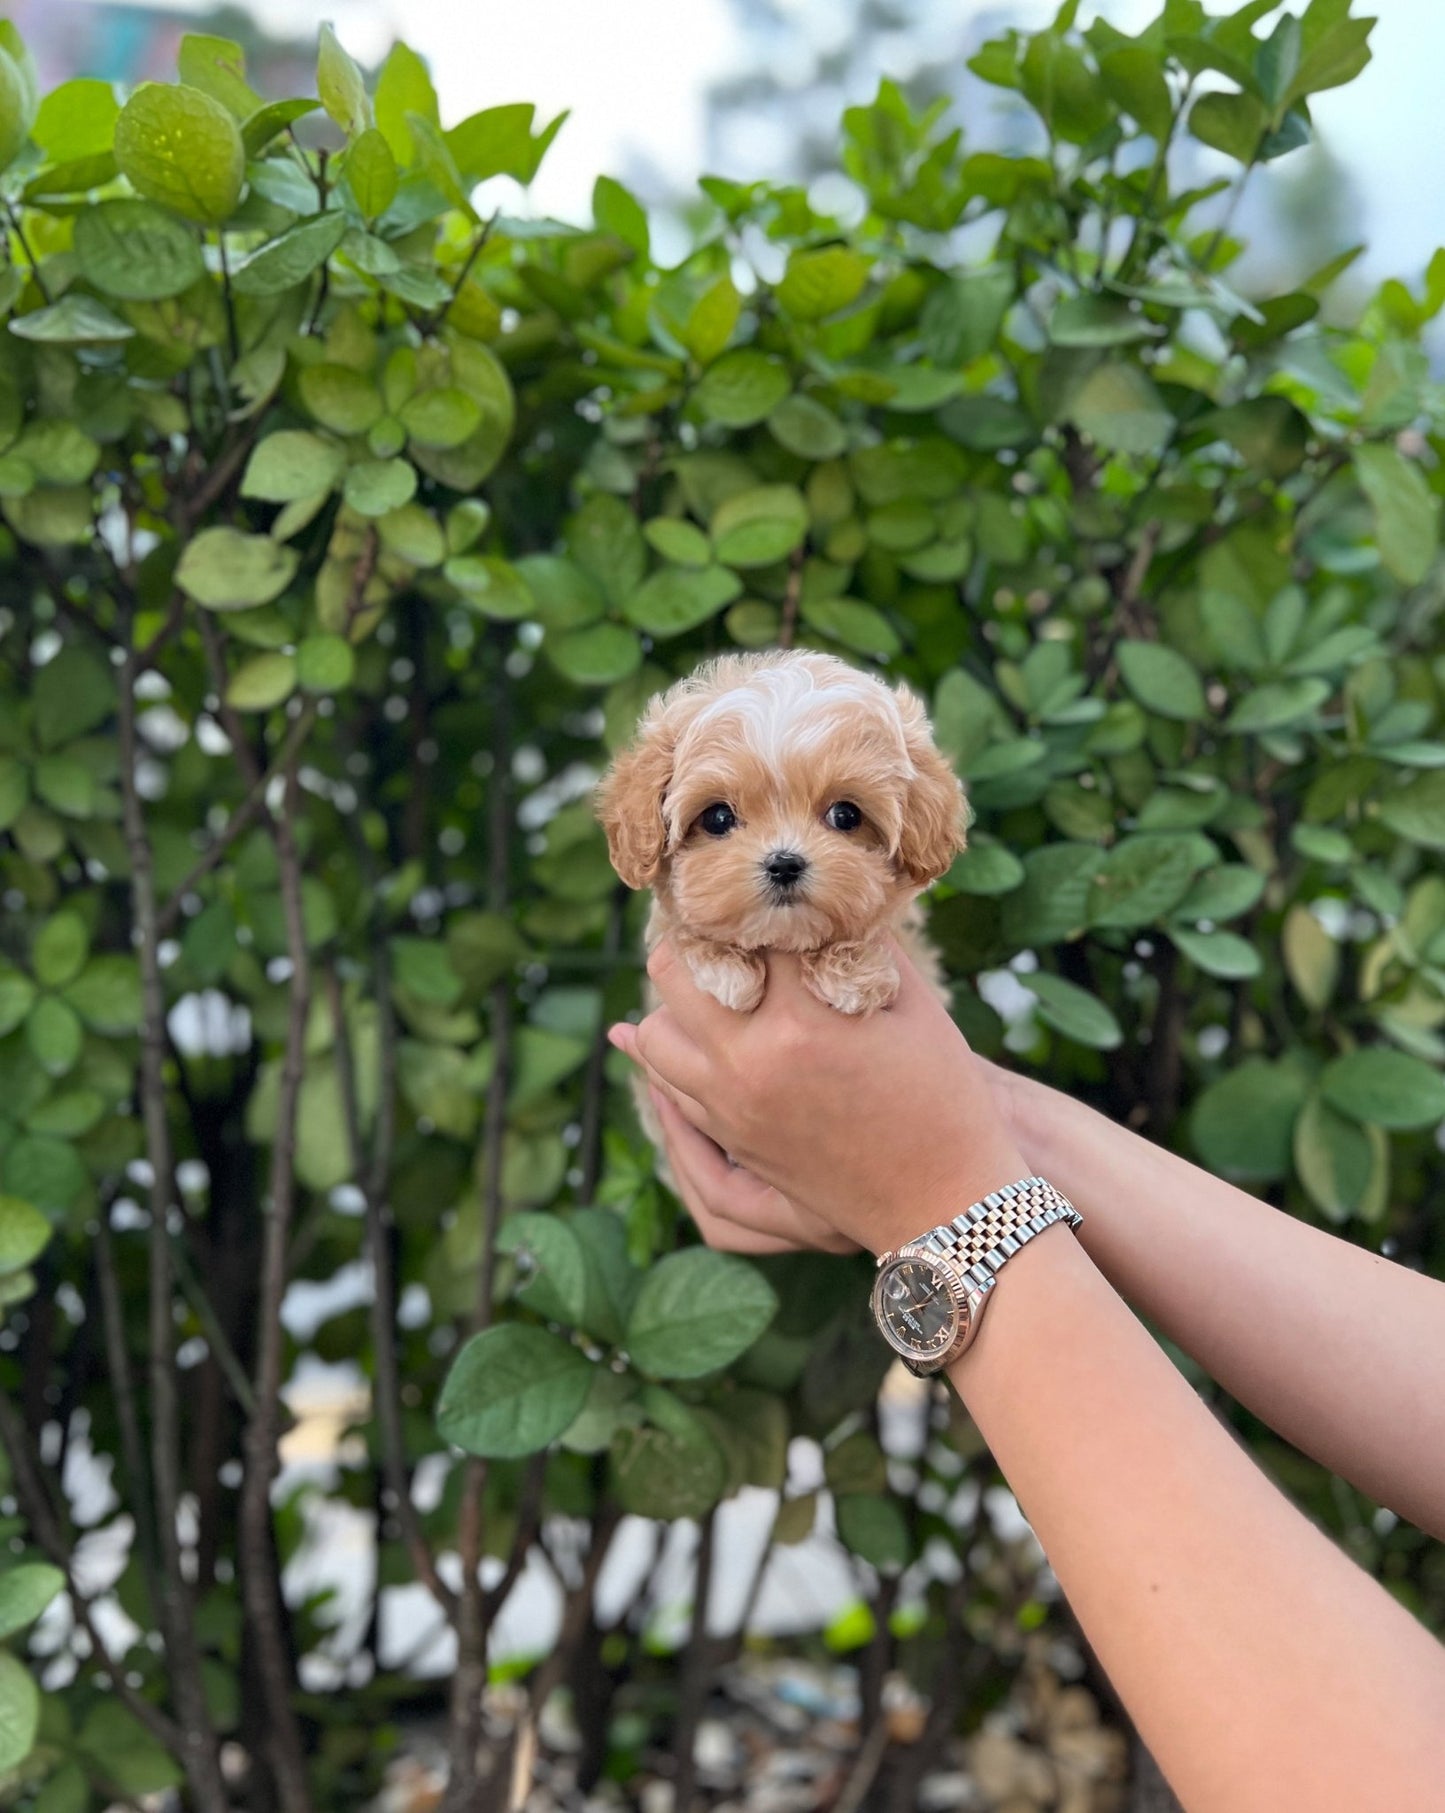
(717, 820)
(843, 815)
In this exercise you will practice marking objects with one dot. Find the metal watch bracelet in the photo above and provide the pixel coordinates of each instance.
(989, 1232)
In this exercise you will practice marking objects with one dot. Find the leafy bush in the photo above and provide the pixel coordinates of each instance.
(348, 531)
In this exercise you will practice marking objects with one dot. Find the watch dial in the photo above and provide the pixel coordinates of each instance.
(917, 1308)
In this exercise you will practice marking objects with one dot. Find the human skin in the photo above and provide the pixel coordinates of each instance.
(1263, 1668)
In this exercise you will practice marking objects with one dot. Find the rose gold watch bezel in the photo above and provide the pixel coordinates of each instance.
(965, 1297)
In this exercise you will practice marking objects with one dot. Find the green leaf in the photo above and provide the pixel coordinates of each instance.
(1092, 320)
(25, 1591)
(46, 1172)
(17, 100)
(741, 388)
(821, 282)
(695, 1312)
(14, 796)
(61, 947)
(443, 417)
(182, 149)
(1232, 123)
(1073, 1011)
(1272, 706)
(711, 320)
(227, 570)
(1416, 811)
(73, 693)
(677, 599)
(1243, 1124)
(217, 66)
(324, 664)
(874, 1527)
(338, 82)
(1162, 680)
(1336, 56)
(670, 1466)
(135, 251)
(1311, 957)
(268, 122)
(1059, 84)
(1053, 903)
(563, 596)
(607, 544)
(291, 464)
(404, 87)
(806, 427)
(678, 540)
(552, 1266)
(377, 487)
(24, 1236)
(757, 527)
(1118, 407)
(497, 141)
(598, 655)
(19, 1710)
(1342, 1165)
(107, 995)
(262, 682)
(341, 399)
(857, 626)
(1222, 954)
(1141, 879)
(76, 320)
(512, 1390)
(1406, 511)
(76, 120)
(490, 586)
(1385, 1089)
(291, 257)
(618, 212)
(1134, 80)
(985, 867)
(371, 172)
(16, 994)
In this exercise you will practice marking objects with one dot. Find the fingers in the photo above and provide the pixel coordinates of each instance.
(734, 1209)
(697, 1013)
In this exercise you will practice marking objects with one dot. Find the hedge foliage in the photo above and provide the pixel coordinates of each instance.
(349, 528)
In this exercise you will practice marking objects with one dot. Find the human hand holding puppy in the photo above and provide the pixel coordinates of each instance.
(856, 1131)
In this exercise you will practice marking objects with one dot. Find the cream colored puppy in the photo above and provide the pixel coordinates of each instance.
(785, 802)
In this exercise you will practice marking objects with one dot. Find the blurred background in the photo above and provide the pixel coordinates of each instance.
(662, 91)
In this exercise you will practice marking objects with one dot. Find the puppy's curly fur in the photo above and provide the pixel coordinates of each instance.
(785, 801)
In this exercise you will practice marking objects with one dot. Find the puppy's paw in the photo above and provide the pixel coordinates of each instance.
(854, 978)
(735, 978)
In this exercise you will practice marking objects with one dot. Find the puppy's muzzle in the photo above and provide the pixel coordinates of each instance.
(784, 869)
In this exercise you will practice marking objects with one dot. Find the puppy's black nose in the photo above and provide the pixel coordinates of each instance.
(785, 868)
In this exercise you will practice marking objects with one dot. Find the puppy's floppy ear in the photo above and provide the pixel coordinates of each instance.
(935, 813)
(629, 803)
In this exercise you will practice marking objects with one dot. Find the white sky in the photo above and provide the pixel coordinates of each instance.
(634, 73)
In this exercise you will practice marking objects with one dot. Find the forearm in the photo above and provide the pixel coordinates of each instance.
(1339, 1350)
(1263, 1668)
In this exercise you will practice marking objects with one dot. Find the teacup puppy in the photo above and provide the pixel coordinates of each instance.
(785, 802)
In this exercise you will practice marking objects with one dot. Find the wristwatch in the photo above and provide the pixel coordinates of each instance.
(929, 1295)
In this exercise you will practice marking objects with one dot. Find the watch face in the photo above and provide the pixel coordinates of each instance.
(916, 1309)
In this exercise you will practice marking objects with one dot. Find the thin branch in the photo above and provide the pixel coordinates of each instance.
(174, 1610)
(226, 1356)
(233, 341)
(245, 814)
(792, 597)
(19, 231)
(430, 323)
(122, 1381)
(261, 1587)
(696, 1669)
(371, 1179)
(31, 1494)
(464, 1723)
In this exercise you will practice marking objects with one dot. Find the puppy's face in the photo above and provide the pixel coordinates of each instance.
(786, 802)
